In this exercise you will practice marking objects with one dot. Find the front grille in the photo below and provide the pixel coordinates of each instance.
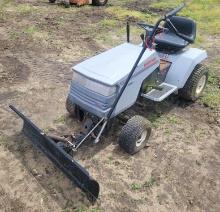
(89, 97)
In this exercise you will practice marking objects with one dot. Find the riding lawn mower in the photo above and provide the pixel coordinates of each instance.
(105, 86)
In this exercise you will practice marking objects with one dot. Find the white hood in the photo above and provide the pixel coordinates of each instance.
(113, 65)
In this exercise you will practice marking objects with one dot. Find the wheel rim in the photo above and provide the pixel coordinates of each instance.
(141, 138)
(201, 85)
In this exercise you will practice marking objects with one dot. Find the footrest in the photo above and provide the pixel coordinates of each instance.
(159, 95)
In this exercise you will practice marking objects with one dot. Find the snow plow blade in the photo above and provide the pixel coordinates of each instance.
(74, 171)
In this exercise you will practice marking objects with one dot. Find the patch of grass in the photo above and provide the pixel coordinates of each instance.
(81, 208)
(60, 120)
(167, 130)
(95, 210)
(45, 197)
(60, 19)
(3, 140)
(25, 9)
(150, 182)
(95, 161)
(31, 30)
(200, 132)
(199, 39)
(110, 158)
(109, 39)
(173, 119)
(218, 61)
(205, 12)
(213, 79)
(3, 6)
(160, 120)
(156, 123)
(123, 13)
(108, 23)
(165, 5)
(211, 96)
(136, 186)
(37, 34)
(13, 34)
(156, 120)
(120, 3)
(46, 130)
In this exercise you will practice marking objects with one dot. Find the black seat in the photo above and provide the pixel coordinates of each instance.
(169, 41)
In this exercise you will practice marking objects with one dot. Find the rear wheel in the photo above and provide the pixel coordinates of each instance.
(196, 83)
(135, 134)
(52, 1)
(66, 4)
(74, 110)
(99, 2)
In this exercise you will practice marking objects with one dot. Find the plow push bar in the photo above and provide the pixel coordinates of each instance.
(74, 171)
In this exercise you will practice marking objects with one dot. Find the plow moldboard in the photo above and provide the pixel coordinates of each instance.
(74, 171)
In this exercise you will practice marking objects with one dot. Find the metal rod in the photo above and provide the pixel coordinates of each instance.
(62, 139)
(100, 132)
(89, 133)
(148, 39)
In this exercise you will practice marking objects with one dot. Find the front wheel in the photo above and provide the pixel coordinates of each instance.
(74, 110)
(66, 3)
(135, 134)
(99, 2)
(196, 83)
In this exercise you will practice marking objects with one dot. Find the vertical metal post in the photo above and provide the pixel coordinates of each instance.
(128, 32)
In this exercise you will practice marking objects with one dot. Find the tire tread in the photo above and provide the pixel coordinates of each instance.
(188, 91)
(130, 133)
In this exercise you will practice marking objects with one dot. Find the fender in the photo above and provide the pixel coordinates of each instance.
(183, 65)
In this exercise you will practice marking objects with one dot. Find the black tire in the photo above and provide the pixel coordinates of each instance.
(66, 4)
(74, 110)
(190, 91)
(52, 1)
(132, 132)
(99, 2)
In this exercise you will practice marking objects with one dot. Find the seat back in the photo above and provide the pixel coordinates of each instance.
(183, 25)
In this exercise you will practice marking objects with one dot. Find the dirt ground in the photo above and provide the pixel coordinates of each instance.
(179, 171)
